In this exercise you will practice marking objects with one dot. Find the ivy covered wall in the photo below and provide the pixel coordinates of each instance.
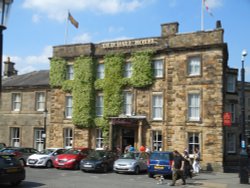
(84, 86)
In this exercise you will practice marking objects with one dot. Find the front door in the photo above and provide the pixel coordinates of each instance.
(128, 137)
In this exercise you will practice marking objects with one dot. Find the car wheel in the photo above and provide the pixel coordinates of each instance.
(14, 183)
(150, 175)
(105, 168)
(137, 170)
(22, 162)
(49, 164)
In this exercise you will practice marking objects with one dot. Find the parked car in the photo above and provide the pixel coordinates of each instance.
(71, 158)
(11, 170)
(99, 160)
(44, 158)
(2, 145)
(22, 153)
(160, 162)
(133, 162)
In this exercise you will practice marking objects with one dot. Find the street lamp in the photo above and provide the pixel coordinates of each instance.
(4, 12)
(45, 114)
(243, 154)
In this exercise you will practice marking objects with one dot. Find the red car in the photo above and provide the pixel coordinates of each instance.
(71, 158)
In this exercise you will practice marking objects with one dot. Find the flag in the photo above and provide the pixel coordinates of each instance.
(207, 8)
(72, 20)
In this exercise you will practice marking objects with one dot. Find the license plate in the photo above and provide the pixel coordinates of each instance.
(87, 165)
(31, 161)
(159, 167)
(11, 170)
(60, 164)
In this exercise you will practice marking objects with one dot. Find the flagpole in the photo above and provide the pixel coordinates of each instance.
(202, 15)
(66, 29)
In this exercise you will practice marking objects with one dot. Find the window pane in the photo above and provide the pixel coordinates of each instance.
(157, 107)
(16, 101)
(40, 103)
(15, 137)
(70, 72)
(127, 103)
(100, 71)
(193, 143)
(194, 107)
(157, 141)
(194, 65)
(158, 68)
(231, 81)
(99, 105)
(68, 137)
(128, 70)
(99, 139)
(69, 105)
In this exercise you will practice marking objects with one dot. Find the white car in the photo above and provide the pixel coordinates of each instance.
(44, 158)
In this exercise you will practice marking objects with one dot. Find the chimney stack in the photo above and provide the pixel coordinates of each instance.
(9, 69)
(169, 29)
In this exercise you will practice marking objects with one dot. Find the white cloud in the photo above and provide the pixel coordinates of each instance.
(57, 9)
(84, 38)
(214, 3)
(30, 63)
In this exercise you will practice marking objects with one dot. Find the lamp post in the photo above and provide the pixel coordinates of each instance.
(243, 154)
(45, 113)
(4, 12)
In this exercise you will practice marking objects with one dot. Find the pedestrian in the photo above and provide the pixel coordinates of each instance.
(148, 149)
(196, 163)
(187, 164)
(177, 168)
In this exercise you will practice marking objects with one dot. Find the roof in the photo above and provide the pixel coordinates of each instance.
(35, 78)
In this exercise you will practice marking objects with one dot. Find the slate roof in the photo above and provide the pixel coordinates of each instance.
(35, 78)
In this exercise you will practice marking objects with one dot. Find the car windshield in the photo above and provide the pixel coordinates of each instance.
(7, 161)
(72, 151)
(46, 151)
(96, 155)
(129, 155)
(160, 156)
(8, 150)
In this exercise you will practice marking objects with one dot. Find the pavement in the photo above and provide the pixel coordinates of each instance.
(214, 180)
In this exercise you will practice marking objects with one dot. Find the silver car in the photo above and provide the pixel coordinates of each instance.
(132, 162)
(44, 158)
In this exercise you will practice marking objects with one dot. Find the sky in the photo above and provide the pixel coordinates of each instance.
(35, 26)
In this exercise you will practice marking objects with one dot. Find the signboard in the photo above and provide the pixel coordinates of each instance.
(227, 119)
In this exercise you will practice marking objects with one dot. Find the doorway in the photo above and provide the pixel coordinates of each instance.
(128, 137)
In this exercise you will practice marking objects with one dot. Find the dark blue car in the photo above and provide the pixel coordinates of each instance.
(160, 163)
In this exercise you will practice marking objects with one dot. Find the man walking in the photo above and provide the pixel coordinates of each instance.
(177, 168)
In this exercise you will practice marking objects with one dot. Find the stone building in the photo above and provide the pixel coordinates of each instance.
(166, 92)
(23, 101)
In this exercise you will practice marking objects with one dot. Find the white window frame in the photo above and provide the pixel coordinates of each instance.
(99, 139)
(38, 139)
(68, 107)
(70, 72)
(194, 66)
(157, 106)
(231, 143)
(193, 142)
(231, 83)
(15, 136)
(99, 105)
(100, 71)
(128, 70)
(157, 140)
(194, 106)
(128, 103)
(16, 101)
(68, 137)
(40, 101)
(158, 65)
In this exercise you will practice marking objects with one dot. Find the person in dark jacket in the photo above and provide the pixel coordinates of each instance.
(177, 168)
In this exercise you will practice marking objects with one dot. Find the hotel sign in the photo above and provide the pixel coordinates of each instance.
(129, 43)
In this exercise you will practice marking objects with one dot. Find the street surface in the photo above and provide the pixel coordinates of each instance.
(53, 178)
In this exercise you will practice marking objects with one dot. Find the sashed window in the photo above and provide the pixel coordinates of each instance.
(157, 107)
(15, 136)
(193, 142)
(40, 101)
(70, 72)
(16, 101)
(100, 71)
(157, 140)
(99, 105)
(231, 82)
(69, 107)
(194, 66)
(128, 70)
(231, 143)
(99, 139)
(128, 103)
(158, 68)
(68, 137)
(194, 107)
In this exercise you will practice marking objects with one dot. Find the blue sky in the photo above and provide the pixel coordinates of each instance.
(35, 26)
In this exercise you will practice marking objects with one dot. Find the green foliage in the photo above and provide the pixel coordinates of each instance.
(83, 92)
(113, 83)
(142, 75)
(68, 85)
(58, 68)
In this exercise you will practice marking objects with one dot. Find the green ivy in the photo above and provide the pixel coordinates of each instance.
(113, 83)
(83, 92)
(142, 75)
(58, 68)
